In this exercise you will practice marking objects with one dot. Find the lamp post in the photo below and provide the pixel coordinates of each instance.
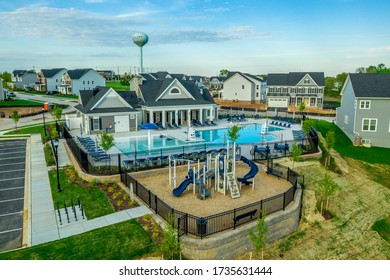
(44, 124)
(55, 142)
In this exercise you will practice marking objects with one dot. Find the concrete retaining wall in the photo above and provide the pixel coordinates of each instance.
(233, 243)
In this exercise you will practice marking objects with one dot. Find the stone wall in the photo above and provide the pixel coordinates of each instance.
(233, 243)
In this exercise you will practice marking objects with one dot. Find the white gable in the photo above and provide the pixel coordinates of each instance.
(307, 81)
(111, 100)
(175, 91)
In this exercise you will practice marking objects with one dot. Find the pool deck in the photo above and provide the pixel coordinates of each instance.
(181, 134)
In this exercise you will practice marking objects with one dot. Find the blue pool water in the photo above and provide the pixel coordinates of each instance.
(249, 134)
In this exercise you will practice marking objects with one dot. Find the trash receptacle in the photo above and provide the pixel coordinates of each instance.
(201, 224)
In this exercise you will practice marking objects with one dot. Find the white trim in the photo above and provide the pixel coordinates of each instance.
(307, 75)
(169, 87)
(365, 102)
(369, 124)
(104, 96)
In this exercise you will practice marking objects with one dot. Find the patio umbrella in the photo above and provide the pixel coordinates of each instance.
(148, 127)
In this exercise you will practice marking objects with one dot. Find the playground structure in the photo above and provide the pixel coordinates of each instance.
(219, 166)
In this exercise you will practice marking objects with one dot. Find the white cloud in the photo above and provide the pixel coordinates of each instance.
(217, 10)
(79, 27)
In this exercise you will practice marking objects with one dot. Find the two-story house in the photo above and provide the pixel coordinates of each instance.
(50, 79)
(242, 87)
(24, 79)
(80, 79)
(364, 114)
(295, 88)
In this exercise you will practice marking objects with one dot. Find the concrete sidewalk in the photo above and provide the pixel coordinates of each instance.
(43, 218)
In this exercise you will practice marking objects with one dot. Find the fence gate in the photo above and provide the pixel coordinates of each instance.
(182, 225)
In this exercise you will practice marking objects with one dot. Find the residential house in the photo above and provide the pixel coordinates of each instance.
(103, 108)
(242, 87)
(24, 79)
(81, 79)
(294, 88)
(107, 74)
(364, 114)
(50, 79)
(216, 82)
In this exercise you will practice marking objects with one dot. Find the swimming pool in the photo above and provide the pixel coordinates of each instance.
(249, 134)
(210, 138)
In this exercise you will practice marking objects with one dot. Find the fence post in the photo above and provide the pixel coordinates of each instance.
(149, 199)
(284, 201)
(186, 223)
(155, 202)
(119, 164)
(288, 174)
(234, 218)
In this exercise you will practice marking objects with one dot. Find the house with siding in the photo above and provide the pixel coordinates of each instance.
(364, 114)
(24, 79)
(294, 88)
(80, 79)
(103, 108)
(242, 87)
(50, 79)
(167, 101)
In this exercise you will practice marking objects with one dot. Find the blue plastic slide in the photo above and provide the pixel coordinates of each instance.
(181, 188)
(254, 169)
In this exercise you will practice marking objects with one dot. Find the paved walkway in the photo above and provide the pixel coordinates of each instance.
(44, 223)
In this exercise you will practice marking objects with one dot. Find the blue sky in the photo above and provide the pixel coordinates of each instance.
(196, 37)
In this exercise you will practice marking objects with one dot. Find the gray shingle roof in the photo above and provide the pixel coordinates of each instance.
(293, 78)
(371, 84)
(20, 73)
(90, 97)
(49, 73)
(78, 73)
(151, 90)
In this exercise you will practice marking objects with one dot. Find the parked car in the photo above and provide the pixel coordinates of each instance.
(11, 94)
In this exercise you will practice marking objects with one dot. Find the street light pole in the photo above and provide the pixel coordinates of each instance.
(56, 155)
(44, 124)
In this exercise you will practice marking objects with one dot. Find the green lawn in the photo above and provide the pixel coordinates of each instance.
(93, 199)
(345, 148)
(20, 103)
(123, 241)
(333, 103)
(116, 85)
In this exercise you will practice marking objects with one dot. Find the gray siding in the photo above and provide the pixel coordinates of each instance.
(106, 122)
(28, 80)
(347, 108)
(379, 109)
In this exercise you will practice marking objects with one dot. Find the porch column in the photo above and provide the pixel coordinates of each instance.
(201, 115)
(177, 117)
(188, 116)
(151, 116)
(163, 118)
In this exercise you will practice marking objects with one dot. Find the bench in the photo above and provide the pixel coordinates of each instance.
(275, 172)
(246, 214)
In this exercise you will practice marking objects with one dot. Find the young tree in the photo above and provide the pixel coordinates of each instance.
(329, 141)
(327, 187)
(223, 73)
(170, 243)
(106, 141)
(307, 124)
(259, 238)
(57, 113)
(296, 153)
(301, 108)
(15, 117)
(233, 133)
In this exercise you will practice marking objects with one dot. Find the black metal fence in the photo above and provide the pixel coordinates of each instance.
(205, 226)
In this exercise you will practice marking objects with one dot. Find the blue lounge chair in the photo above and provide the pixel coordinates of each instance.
(194, 123)
(170, 126)
(273, 122)
(175, 125)
(213, 123)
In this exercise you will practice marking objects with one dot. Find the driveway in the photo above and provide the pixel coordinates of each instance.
(12, 183)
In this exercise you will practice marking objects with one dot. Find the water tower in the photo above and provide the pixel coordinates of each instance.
(140, 39)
